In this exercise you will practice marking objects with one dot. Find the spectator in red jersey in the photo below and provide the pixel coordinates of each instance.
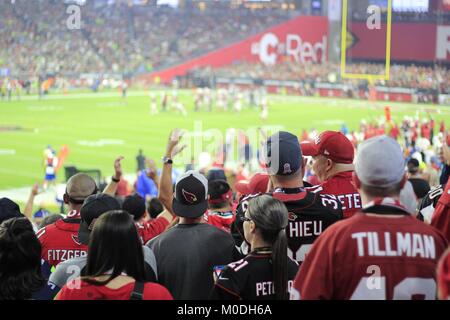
(442, 127)
(332, 155)
(220, 202)
(115, 268)
(60, 240)
(383, 238)
(93, 208)
(443, 276)
(123, 189)
(432, 125)
(20, 260)
(147, 229)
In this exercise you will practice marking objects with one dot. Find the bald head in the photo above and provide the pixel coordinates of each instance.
(80, 186)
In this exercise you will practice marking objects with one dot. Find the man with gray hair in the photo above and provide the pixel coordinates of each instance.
(382, 252)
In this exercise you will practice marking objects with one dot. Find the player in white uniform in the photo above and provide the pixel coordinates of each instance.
(238, 102)
(153, 104)
(177, 105)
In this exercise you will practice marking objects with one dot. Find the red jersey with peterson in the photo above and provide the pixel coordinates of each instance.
(341, 185)
(60, 242)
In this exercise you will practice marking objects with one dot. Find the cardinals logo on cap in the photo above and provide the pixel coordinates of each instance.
(189, 197)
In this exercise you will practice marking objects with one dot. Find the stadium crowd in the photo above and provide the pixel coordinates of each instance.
(319, 212)
(275, 233)
(116, 38)
(310, 74)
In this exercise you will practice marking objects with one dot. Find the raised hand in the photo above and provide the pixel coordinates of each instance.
(118, 168)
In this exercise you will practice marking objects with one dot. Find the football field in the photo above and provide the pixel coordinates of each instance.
(98, 127)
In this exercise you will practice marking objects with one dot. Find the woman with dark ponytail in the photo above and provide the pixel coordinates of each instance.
(266, 273)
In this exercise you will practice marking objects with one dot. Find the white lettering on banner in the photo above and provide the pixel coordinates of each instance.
(268, 40)
(270, 46)
(407, 245)
(442, 42)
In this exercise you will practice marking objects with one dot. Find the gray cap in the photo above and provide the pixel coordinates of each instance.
(380, 162)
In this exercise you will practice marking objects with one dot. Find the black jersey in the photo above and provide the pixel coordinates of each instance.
(428, 203)
(310, 213)
(250, 279)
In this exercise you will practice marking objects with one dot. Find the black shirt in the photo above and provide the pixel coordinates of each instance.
(186, 256)
(420, 186)
(309, 215)
(250, 279)
(140, 159)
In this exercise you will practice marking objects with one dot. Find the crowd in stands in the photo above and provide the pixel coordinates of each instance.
(310, 74)
(268, 235)
(310, 222)
(117, 38)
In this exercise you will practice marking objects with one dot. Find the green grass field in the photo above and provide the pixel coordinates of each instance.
(99, 127)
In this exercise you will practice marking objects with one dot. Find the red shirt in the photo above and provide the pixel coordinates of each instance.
(150, 229)
(59, 241)
(341, 186)
(221, 220)
(368, 257)
(86, 291)
(441, 216)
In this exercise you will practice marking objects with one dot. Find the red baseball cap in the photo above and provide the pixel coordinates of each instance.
(331, 144)
(257, 184)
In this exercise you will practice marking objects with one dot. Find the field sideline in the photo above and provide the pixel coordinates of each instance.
(99, 127)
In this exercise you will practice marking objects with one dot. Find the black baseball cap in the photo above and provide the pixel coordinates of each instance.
(413, 165)
(283, 154)
(216, 174)
(191, 195)
(219, 191)
(9, 209)
(93, 207)
(134, 205)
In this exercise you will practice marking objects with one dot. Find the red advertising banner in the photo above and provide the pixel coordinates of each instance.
(305, 38)
(301, 39)
(445, 5)
(410, 42)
